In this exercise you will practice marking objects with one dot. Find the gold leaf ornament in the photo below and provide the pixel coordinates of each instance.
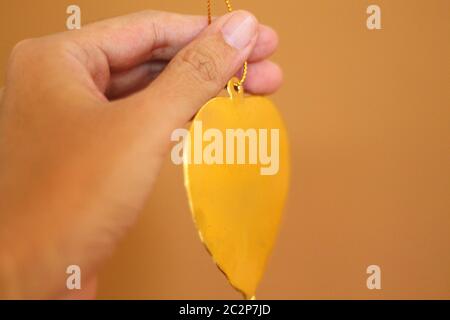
(236, 203)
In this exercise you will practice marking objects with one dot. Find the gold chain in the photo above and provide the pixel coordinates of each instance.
(229, 8)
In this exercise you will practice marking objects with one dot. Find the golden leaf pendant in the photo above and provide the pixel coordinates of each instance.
(236, 170)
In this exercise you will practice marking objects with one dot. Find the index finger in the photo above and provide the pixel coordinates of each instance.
(128, 41)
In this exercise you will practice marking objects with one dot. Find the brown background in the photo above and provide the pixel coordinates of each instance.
(368, 114)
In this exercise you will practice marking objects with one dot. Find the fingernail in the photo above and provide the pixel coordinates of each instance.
(240, 29)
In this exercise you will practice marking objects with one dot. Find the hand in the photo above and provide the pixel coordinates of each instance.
(85, 122)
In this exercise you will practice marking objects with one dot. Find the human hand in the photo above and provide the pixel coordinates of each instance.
(85, 122)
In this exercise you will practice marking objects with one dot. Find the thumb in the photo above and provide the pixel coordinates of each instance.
(200, 70)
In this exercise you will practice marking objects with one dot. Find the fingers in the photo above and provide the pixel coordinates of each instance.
(122, 43)
(199, 71)
(263, 77)
(104, 49)
(265, 46)
(129, 40)
(138, 77)
(124, 83)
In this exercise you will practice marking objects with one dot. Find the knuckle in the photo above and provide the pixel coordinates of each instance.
(34, 54)
(202, 64)
(38, 49)
(22, 48)
(59, 47)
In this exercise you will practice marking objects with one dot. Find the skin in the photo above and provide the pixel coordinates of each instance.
(85, 123)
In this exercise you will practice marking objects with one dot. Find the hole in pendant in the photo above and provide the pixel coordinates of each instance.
(234, 88)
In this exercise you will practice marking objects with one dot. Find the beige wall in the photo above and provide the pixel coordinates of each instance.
(368, 114)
